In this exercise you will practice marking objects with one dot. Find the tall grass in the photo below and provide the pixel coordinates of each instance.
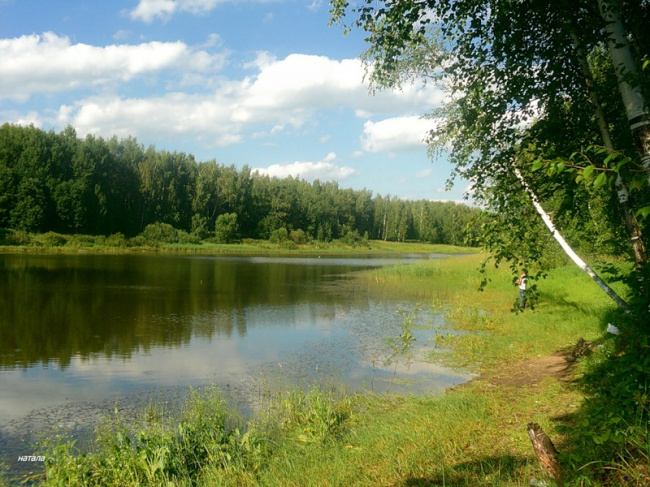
(570, 306)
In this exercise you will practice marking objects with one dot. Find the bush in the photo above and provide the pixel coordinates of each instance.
(289, 245)
(137, 241)
(17, 237)
(53, 239)
(116, 240)
(226, 228)
(200, 227)
(187, 238)
(86, 240)
(279, 235)
(156, 233)
(353, 239)
(299, 236)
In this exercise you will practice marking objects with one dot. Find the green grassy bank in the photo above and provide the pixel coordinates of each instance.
(473, 435)
(51, 242)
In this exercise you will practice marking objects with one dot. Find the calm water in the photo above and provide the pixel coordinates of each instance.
(78, 330)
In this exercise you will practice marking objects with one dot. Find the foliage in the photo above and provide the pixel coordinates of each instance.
(597, 167)
(518, 94)
(206, 437)
(60, 183)
(226, 228)
(53, 239)
(299, 236)
(156, 233)
(116, 240)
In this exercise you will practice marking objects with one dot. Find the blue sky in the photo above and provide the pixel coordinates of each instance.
(260, 82)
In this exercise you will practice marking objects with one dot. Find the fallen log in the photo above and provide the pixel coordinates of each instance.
(544, 449)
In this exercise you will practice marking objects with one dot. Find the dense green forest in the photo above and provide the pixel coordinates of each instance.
(62, 183)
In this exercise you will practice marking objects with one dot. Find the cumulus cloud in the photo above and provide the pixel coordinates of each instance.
(323, 170)
(301, 82)
(50, 63)
(282, 93)
(276, 95)
(174, 114)
(396, 134)
(148, 10)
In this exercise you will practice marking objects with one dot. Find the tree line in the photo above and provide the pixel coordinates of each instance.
(62, 183)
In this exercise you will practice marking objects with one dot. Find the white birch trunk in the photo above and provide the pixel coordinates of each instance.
(632, 96)
(631, 223)
(567, 248)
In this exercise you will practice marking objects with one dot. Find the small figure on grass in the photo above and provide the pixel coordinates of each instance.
(521, 282)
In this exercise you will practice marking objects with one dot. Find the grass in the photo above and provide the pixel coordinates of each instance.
(19, 241)
(474, 435)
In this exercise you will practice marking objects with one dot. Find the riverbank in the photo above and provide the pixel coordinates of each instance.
(472, 435)
(74, 244)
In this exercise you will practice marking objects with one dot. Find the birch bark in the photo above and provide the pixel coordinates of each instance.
(567, 248)
(631, 95)
(631, 223)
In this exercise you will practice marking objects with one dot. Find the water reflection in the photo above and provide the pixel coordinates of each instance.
(53, 308)
(84, 327)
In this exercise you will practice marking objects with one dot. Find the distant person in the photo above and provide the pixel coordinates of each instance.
(521, 282)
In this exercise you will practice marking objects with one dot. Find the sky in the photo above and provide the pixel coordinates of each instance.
(266, 83)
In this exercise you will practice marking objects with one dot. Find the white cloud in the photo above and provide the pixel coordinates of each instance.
(279, 93)
(176, 114)
(323, 170)
(148, 10)
(425, 173)
(24, 119)
(49, 63)
(284, 92)
(301, 82)
(396, 134)
(315, 5)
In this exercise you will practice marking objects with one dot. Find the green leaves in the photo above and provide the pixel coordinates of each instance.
(597, 167)
(643, 212)
(600, 180)
(587, 172)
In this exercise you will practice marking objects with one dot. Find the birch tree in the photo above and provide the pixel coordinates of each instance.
(516, 84)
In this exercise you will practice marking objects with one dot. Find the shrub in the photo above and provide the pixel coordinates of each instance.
(279, 235)
(156, 233)
(299, 236)
(86, 240)
(187, 238)
(200, 227)
(116, 240)
(137, 241)
(288, 244)
(226, 228)
(53, 239)
(353, 239)
(17, 237)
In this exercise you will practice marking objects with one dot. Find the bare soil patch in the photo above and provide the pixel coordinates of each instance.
(532, 371)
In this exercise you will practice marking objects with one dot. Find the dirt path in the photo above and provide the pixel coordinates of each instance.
(532, 371)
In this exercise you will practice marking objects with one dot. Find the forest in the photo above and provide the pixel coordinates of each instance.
(59, 182)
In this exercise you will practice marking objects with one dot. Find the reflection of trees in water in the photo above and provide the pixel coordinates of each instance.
(55, 307)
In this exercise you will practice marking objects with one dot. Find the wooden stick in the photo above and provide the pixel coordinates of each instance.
(544, 449)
